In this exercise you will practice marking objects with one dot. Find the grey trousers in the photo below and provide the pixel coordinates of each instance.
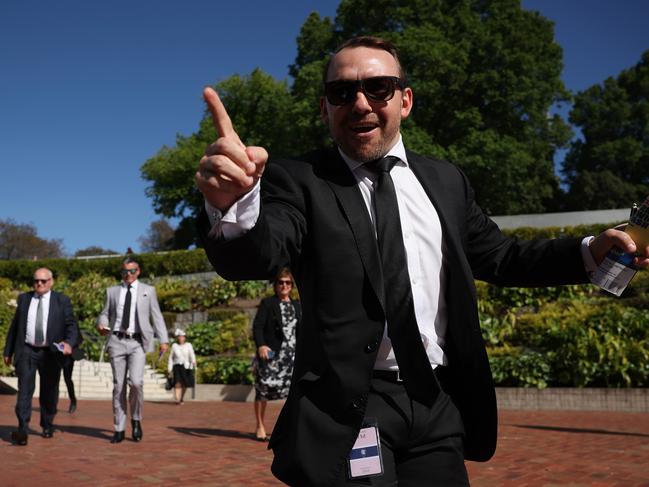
(127, 359)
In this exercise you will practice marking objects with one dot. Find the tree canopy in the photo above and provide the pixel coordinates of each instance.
(609, 166)
(21, 241)
(159, 237)
(484, 74)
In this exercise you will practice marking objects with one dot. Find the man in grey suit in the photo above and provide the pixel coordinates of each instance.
(132, 317)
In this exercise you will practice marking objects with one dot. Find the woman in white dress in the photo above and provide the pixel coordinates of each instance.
(181, 364)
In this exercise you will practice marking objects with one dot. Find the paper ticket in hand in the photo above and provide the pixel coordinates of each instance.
(617, 269)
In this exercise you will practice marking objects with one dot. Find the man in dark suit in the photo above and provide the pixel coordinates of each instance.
(384, 246)
(43, 320)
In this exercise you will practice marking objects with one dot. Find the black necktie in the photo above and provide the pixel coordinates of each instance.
(126, 314)
(413, 362)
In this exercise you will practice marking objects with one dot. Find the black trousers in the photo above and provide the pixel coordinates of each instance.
(68, 367)
(48, 366)
(421, 446)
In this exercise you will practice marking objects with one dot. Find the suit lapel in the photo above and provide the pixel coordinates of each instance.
(26, 301)
(430, 179)
(345, 187)
(459, 275)
(139, 304)
(277, 311)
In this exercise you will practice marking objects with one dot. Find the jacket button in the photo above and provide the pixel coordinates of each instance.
(359, 403)
(371, 347)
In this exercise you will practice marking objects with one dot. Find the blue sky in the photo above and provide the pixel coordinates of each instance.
(90, 90)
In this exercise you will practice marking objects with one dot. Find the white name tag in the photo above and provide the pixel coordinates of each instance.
(365, 457)
(615, 272)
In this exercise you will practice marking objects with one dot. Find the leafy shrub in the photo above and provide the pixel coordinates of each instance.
(252, 289)
(217, 292)
(175, 294)
(598, 343)
(7, 312)
(201, 336)
(225, 370)
(88, 294)
(231, 336)
(519, 367)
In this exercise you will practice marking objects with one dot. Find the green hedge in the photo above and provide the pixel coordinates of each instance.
(567, 336)
(529, 233)
(153, 265)
(225, 370)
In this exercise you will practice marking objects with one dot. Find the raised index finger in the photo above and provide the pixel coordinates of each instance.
(220, 117)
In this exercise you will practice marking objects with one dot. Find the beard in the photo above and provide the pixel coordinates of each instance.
(369, 151)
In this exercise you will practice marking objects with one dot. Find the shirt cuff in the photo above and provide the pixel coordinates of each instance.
(587, 257)
(238, 219)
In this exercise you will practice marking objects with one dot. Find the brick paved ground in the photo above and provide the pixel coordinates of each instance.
(209, 444)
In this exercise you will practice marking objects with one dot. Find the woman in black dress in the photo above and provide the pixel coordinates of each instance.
(274, 332)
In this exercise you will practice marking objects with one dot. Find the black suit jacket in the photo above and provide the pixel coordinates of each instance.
(314, 217)
(61, 324)
(267, 326)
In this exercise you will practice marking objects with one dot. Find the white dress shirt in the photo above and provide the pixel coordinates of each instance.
(30, 333)
(132, 328)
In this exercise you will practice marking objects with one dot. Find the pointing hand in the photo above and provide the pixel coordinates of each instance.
(229, 169)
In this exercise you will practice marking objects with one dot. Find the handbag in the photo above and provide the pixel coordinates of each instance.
(169, 384)
(78, 353)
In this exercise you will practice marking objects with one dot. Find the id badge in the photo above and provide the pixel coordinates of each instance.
(365, 458)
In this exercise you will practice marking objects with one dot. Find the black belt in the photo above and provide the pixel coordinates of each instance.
(394, 376)
(123, 334)
(389, 375)
(37, 347)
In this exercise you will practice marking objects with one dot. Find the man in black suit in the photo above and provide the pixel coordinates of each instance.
(384, 246)
(43, 321)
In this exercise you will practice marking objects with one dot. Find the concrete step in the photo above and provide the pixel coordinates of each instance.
(94, 380)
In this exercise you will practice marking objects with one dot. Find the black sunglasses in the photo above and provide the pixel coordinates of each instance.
(126, 272)
(40, 281)
(286, 283)
(378, 88)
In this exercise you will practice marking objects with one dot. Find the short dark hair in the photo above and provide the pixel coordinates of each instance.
(371, 42)
(130, 260)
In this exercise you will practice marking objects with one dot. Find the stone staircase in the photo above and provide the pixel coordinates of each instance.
(94, 380)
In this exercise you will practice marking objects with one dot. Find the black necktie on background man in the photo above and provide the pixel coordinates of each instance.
(126, 314)
(413, 362)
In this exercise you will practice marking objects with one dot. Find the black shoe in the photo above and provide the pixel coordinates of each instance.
(48, 432)
(73, 406)
(19, 437)
(118, 436)
(137, 430)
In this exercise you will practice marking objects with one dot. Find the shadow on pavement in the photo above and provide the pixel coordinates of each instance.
(564, 429)
(102, 434)
(203, 432)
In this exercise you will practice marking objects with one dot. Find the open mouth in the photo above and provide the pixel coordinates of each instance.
(363, 129)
